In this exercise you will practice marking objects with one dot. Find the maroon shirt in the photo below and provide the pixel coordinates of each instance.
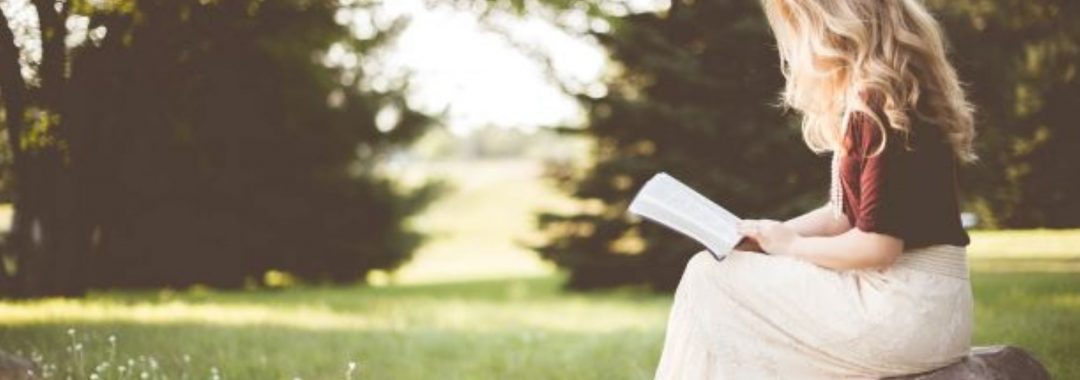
(907, 193)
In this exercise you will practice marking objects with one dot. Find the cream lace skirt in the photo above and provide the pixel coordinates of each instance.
(756, 316)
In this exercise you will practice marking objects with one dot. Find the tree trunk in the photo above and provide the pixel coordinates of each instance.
(49, 239)
(13, 90)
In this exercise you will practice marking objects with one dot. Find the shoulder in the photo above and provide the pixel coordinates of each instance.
(865, 134)
(867, 130)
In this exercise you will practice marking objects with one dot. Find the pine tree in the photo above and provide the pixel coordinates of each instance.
(696, 97)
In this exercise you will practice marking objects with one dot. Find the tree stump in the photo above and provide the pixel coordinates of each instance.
(15, 368)
(989, 363)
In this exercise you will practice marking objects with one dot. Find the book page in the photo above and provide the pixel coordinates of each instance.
(671, 203)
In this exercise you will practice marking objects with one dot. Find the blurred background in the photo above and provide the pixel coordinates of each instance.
(257, 189)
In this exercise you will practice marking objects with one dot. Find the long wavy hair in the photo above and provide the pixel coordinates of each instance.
(833, 52)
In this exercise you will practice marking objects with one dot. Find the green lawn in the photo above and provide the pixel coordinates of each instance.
(512, 328)
(449, 315)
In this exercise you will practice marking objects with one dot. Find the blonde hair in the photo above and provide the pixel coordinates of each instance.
(832, 52)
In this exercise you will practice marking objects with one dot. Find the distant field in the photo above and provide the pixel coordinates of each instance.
(475, 305)
(478, 230)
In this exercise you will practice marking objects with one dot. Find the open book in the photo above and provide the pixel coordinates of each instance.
(669, 202)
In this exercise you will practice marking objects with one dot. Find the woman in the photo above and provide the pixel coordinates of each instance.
(874, 283)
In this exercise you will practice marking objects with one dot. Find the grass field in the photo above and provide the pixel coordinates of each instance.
(474, 305)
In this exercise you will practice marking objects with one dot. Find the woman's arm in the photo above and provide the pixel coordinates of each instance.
(819, 222)
(854, 249)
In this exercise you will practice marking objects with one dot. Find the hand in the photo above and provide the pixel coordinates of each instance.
(772, 236)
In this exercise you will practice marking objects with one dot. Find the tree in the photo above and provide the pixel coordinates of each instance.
(204, 142)
(694, 97)
(1027, 88)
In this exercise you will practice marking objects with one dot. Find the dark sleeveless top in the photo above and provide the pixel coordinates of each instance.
(907, 193)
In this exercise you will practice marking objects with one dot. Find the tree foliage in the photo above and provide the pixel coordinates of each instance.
(1022, 62)
(693, 97)
(205, 142)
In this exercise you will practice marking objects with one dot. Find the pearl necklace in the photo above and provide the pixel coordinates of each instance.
(836, 193)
